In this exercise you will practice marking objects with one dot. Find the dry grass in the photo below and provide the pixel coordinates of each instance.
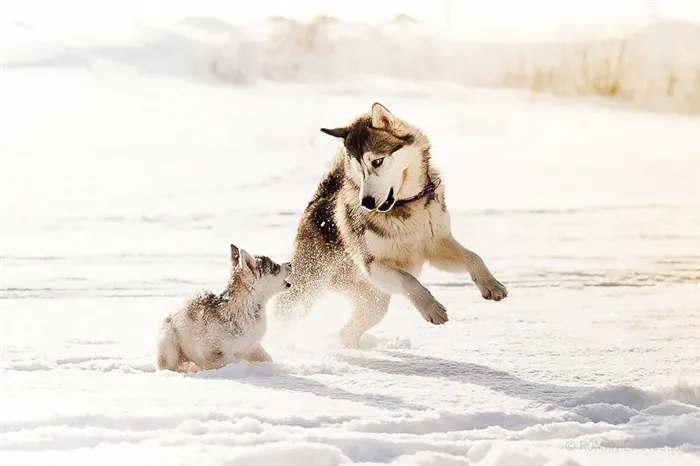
(657, 68)
(614, 69)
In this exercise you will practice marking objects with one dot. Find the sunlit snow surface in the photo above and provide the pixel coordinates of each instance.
(122, 189)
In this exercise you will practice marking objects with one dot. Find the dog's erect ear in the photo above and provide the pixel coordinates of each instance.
(246, 261)
(382, 118)
(235, 255)
(336, 132)
(242, 259)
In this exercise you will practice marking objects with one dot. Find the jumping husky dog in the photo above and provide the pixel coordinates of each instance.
(212, 331)
(376, 217)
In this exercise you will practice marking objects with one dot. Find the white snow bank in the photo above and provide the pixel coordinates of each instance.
(656, 66)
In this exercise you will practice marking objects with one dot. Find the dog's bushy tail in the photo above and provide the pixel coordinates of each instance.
(168, 347)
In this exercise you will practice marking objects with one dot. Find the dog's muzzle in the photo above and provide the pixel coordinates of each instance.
(389, 203)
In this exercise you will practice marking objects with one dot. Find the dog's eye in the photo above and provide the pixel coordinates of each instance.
(276, 269)
(376, 163)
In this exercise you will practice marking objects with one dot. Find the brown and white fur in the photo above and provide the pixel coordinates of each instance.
(211, 330)
(355, 239)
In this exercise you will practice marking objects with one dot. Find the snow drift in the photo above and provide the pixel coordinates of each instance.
(656, 66)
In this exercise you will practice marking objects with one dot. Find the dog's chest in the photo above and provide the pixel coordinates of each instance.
(239, 336)
(404, 241)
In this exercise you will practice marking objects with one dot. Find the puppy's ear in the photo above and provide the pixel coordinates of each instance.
(246, 261)
(235, 255)
(382, 117)
(336, 132)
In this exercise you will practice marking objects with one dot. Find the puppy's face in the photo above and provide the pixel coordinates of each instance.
(260, 272)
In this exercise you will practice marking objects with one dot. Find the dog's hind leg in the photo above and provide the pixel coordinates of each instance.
(168, 351)
(369, 306)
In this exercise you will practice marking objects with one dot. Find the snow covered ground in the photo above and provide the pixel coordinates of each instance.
(127, 171)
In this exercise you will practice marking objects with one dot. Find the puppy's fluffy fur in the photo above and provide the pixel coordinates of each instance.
(211, 330)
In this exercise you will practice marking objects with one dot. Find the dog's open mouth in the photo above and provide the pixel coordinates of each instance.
(389, 203)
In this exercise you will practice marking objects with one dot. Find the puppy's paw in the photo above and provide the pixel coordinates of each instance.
(258, 354)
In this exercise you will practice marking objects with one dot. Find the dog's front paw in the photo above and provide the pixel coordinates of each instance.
(491, 288)
(433, 312)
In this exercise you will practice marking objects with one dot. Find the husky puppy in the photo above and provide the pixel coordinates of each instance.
(211, 330)
(377, 216)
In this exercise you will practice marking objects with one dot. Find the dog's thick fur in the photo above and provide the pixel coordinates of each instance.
(354, 238)
(211, 331)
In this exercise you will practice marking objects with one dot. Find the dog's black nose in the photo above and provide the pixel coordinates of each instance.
(368, 202)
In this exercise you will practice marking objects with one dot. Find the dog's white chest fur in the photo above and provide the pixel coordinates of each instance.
(406, 240)
(234, 344)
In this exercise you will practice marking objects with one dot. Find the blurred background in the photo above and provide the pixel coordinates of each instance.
(643, 52)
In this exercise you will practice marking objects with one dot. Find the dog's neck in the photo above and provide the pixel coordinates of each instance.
(417, 178)
(428, 189)
(242, 296)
